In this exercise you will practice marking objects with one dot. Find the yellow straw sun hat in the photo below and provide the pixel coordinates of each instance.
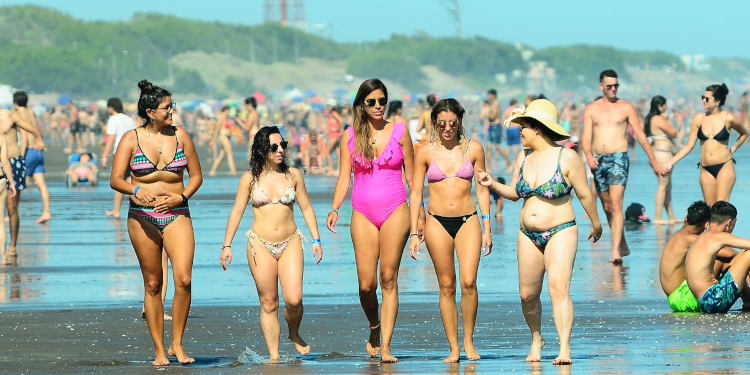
(543, 111)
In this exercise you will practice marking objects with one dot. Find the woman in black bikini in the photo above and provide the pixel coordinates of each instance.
(158, 154)
(717, 175)
(455, 223)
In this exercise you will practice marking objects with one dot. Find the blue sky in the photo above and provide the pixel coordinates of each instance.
(679, 27)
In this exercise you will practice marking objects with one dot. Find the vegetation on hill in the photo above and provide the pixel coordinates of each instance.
(45, 50)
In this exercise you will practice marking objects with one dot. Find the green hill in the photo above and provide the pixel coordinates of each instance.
(45, 50)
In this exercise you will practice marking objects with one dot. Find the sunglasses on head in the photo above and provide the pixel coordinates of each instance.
(705, 98)
(371, 102)
(614, 85)
(282, 144)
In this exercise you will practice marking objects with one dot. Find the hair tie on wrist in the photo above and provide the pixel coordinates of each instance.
(413, 234)
(485, 217)
(422, 204)
(226, 246)
(315, 241)
(184, 198)
(135, 191)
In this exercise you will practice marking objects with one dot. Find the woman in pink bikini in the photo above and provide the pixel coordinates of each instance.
(274, 247)
(454, 223)
(158, 154)
(380, 155)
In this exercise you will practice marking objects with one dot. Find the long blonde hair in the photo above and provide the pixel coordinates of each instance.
(450, 105)
(361, 120)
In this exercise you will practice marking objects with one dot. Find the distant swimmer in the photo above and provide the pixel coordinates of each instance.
(718, 294)
(604, 142)
(712, 127)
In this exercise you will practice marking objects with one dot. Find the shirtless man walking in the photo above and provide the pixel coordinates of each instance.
(605, 145)
(717, 295)
(495, 131)
(9, 125)
(672, 263)
(34, 158)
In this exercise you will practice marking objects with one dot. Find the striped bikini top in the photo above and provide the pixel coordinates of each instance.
(141, 165)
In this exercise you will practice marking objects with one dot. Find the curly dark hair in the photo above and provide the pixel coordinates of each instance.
(150, 98)
(261, 148)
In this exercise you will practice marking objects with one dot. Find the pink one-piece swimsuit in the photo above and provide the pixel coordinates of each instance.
(378, 187)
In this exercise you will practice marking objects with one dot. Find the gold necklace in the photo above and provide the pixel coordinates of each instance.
(149, 135)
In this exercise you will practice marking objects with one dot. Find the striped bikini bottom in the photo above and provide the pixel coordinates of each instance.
(159, 220)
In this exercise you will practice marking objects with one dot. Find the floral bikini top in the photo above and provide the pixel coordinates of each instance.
(259, 197)
(555, 188)
(142, 166)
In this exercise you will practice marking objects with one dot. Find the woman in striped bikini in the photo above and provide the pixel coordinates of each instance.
(158, 153)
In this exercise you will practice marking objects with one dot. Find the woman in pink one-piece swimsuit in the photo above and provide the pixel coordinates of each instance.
(380, 154)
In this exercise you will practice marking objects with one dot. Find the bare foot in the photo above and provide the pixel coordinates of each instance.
(471, 352)
(453, 357)
(11, 253)
(114, 214)
(161, 360)
(179, 352)
(535, 352)
(373, 343)
(300, 345)
(387, 357)
(675, 220)
(562, 360)
(661, 221)
(44, 218)
(167, 317)
(624, 248)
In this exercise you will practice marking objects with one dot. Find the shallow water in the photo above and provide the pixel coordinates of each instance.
(83, 259)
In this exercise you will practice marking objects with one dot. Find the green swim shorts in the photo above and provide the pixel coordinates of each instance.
(683, 300)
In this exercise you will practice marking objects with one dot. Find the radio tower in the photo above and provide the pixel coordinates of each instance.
(285, 12)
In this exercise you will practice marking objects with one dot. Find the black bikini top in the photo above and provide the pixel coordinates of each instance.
(721, 136)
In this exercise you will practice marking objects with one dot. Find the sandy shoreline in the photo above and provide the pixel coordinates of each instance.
(606, 338)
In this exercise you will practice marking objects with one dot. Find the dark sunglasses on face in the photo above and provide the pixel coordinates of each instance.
(371, 102)
(275, 146)
(614, 85)
(451, 123)
(169, 106)
(705, 98)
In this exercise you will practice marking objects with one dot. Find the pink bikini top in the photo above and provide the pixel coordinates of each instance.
(435, 173)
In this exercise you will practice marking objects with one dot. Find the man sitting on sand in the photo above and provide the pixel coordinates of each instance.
(83, 170)
(717, 295)
(672, 263)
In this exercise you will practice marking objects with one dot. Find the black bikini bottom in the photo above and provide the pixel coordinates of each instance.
(452, 224)
(714, 169)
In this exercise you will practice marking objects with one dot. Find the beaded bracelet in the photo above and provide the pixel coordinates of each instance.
(485, 217)
(336, 210)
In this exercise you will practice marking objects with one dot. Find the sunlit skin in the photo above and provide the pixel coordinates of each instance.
(275, 222)
(162, 190)
(452, 197)
(663, 151)
(539, 214)
(713, 152)
(377, 252)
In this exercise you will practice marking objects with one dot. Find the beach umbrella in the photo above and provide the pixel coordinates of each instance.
(63, 99)
(259, 97)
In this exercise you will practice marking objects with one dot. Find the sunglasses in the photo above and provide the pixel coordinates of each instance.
(282, 144)
(451, 123)
(614, 85)
(705, 98)
(170, 106)
(371, 102)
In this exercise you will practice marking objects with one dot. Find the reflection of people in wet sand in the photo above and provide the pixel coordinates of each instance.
(605, 144)
(717, 295)
(82, 171)
(548, 236)
(455, 225)
(672, 263)
(274, 247)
